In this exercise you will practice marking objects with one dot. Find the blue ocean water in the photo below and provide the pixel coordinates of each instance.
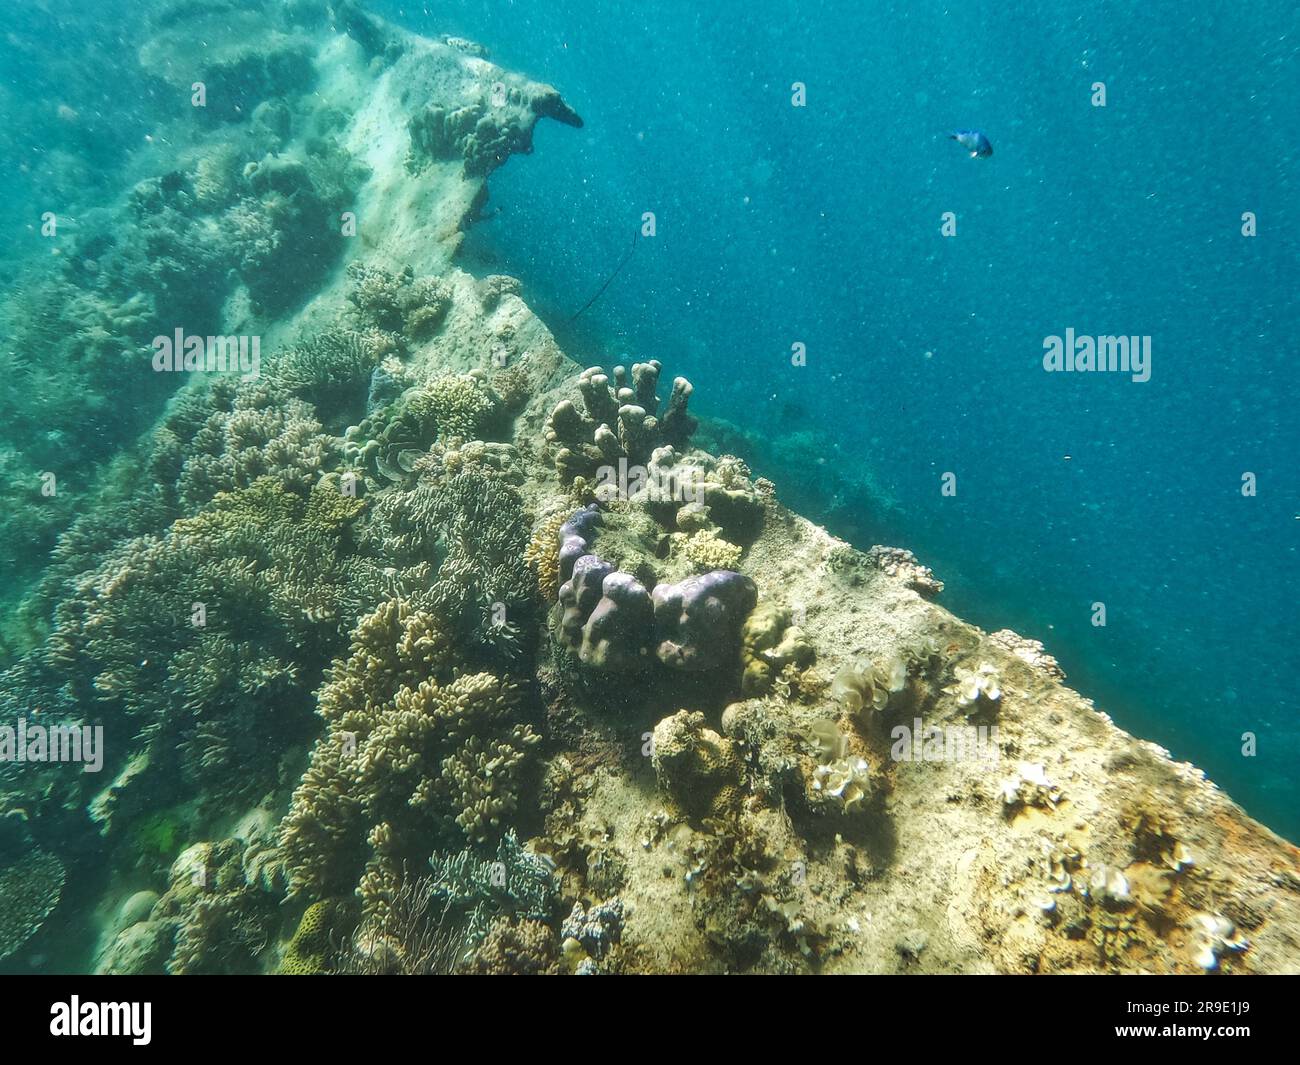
(821, 225)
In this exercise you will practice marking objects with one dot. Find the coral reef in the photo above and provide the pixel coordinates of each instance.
(216, 916)
(516, 947)
(353, 561)
(412, 752)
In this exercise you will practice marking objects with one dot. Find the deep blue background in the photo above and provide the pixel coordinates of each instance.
(821, 225)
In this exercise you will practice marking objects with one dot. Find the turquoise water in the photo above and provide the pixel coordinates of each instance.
(806, 200)
(821, 225)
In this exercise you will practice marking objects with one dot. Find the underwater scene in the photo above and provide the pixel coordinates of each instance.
(572, 487)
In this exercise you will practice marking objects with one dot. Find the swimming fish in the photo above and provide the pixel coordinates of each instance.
(973, 140)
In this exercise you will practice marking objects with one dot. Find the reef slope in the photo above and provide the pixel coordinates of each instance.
(693, 731)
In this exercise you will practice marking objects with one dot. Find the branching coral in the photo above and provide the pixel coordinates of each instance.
(475, 526)
(619, 421)
(252, 432)
(706, 550)
(331, 369)
(30, 888)
(543, 555)
(412, 751)
(195, 639)
(463, 405)
(400, 306)
(517, 884)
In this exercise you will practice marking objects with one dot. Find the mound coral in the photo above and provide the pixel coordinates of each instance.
(214, 916)
(311, 950)
(698, 768)
(698, 621)
(769, 645)
(613, 622)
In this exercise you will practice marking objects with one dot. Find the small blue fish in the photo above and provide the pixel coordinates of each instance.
(973, 140)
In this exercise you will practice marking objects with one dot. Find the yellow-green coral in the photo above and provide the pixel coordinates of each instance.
(464, 405)
(543, 555)
(770, 645)
(697, 767)
(413, 752)
(706, 550)
(308, 952)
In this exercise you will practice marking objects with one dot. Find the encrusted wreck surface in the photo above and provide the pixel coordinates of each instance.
(704, 736)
